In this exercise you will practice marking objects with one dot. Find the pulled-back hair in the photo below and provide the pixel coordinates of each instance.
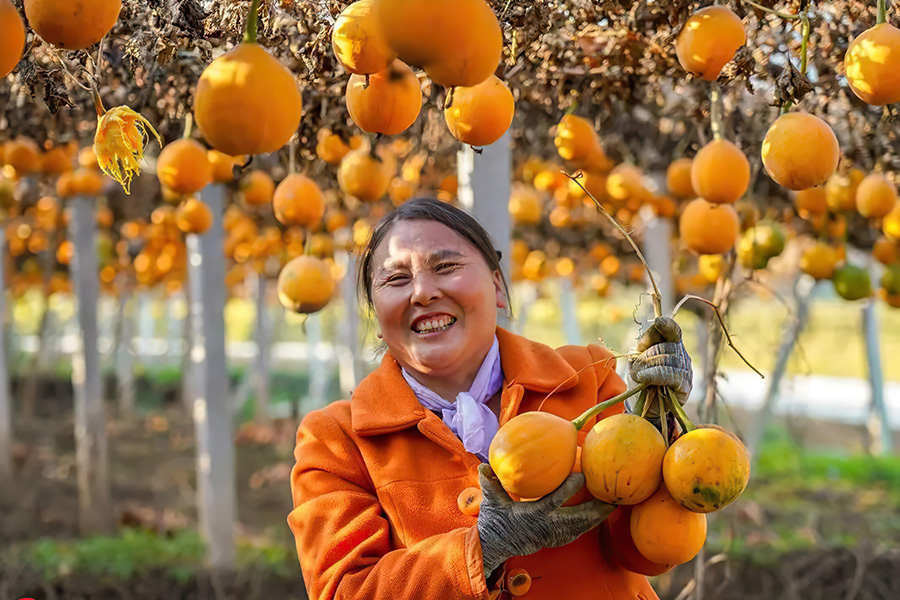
(428, 209)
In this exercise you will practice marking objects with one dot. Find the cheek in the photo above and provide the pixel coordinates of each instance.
(389, 306)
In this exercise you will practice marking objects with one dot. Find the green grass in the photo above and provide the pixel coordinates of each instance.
(135, 553)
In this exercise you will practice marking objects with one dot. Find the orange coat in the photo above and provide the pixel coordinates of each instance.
(377, 478)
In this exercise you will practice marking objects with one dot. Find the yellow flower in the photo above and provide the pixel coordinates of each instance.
(119, 143)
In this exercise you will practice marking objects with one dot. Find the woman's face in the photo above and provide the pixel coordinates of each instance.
(435, 298)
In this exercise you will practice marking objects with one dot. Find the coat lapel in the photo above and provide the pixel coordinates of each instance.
(384, 403)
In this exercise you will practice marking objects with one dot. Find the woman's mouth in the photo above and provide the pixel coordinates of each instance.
(434, 325)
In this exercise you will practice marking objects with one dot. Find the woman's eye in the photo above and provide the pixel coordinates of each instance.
(395, 279)
(446, 267)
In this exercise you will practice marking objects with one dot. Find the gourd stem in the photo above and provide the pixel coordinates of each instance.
(188, 126)
(639, 405)
(882, 12)
(656, 295)
(805, 30)
(781, 15)
(663, 419)
(599, 408)
(98, 103)
(804, 41)
(252, 19)
(680, 415)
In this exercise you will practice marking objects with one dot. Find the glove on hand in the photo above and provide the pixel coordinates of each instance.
(663, 361)
(508, 528)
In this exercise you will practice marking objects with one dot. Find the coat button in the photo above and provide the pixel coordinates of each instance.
(518, 582)
(469, 501)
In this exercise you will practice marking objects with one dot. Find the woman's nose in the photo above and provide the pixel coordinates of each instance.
(425, 289)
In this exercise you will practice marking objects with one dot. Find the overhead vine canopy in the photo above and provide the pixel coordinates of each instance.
(608, 60)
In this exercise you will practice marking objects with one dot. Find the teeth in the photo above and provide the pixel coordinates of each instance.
(436, 325)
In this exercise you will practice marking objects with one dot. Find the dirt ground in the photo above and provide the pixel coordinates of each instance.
(153, 486)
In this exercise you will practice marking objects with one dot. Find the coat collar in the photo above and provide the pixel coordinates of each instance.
(383, 402)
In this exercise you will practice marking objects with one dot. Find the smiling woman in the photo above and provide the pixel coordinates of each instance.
(378, 478)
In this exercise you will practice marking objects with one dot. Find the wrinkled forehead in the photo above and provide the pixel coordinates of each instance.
(422, 243)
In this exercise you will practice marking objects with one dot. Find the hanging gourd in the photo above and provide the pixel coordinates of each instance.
(720, 172)
(183, 167)
(872, 62)
(387, 102)
(800, 151)
(247, 102)
(709, 40)
(298, 201)
(481, 114)
(358, 42)
(305, 284)
(72, 24)
(12, 37)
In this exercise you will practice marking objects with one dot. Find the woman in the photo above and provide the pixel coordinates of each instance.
(377, 478)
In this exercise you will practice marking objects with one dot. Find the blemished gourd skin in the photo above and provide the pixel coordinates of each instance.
(533, 453)
(706, 469)
(621, 459)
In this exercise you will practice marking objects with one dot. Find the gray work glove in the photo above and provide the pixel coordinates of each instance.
(508, 528)
(663, 361)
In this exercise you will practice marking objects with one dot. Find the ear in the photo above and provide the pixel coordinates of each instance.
(502, 300)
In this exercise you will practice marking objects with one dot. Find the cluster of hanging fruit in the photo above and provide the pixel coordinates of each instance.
(663, 489)
(458, 44)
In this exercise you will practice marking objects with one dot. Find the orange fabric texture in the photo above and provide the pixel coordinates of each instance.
(376, 482)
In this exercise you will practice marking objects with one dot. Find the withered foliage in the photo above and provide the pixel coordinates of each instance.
(612, 61)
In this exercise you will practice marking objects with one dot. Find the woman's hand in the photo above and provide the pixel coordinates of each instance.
(508, 528)
(663, 361)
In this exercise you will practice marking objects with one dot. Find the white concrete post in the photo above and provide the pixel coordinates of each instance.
(350, 365)
(124, 358)
(263, 349)
(216, 502)
(569, 307)
(792, 330)
(318, 369)
(485, 181)
(657, 250)
(6, 464)
(881, 440)
(94, 503)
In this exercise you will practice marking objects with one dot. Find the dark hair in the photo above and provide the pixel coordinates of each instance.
(429, 209)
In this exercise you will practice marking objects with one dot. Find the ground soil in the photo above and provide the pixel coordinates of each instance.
(153, 486)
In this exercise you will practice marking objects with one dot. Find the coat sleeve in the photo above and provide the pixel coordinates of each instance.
(344, 539)
(609, 384)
